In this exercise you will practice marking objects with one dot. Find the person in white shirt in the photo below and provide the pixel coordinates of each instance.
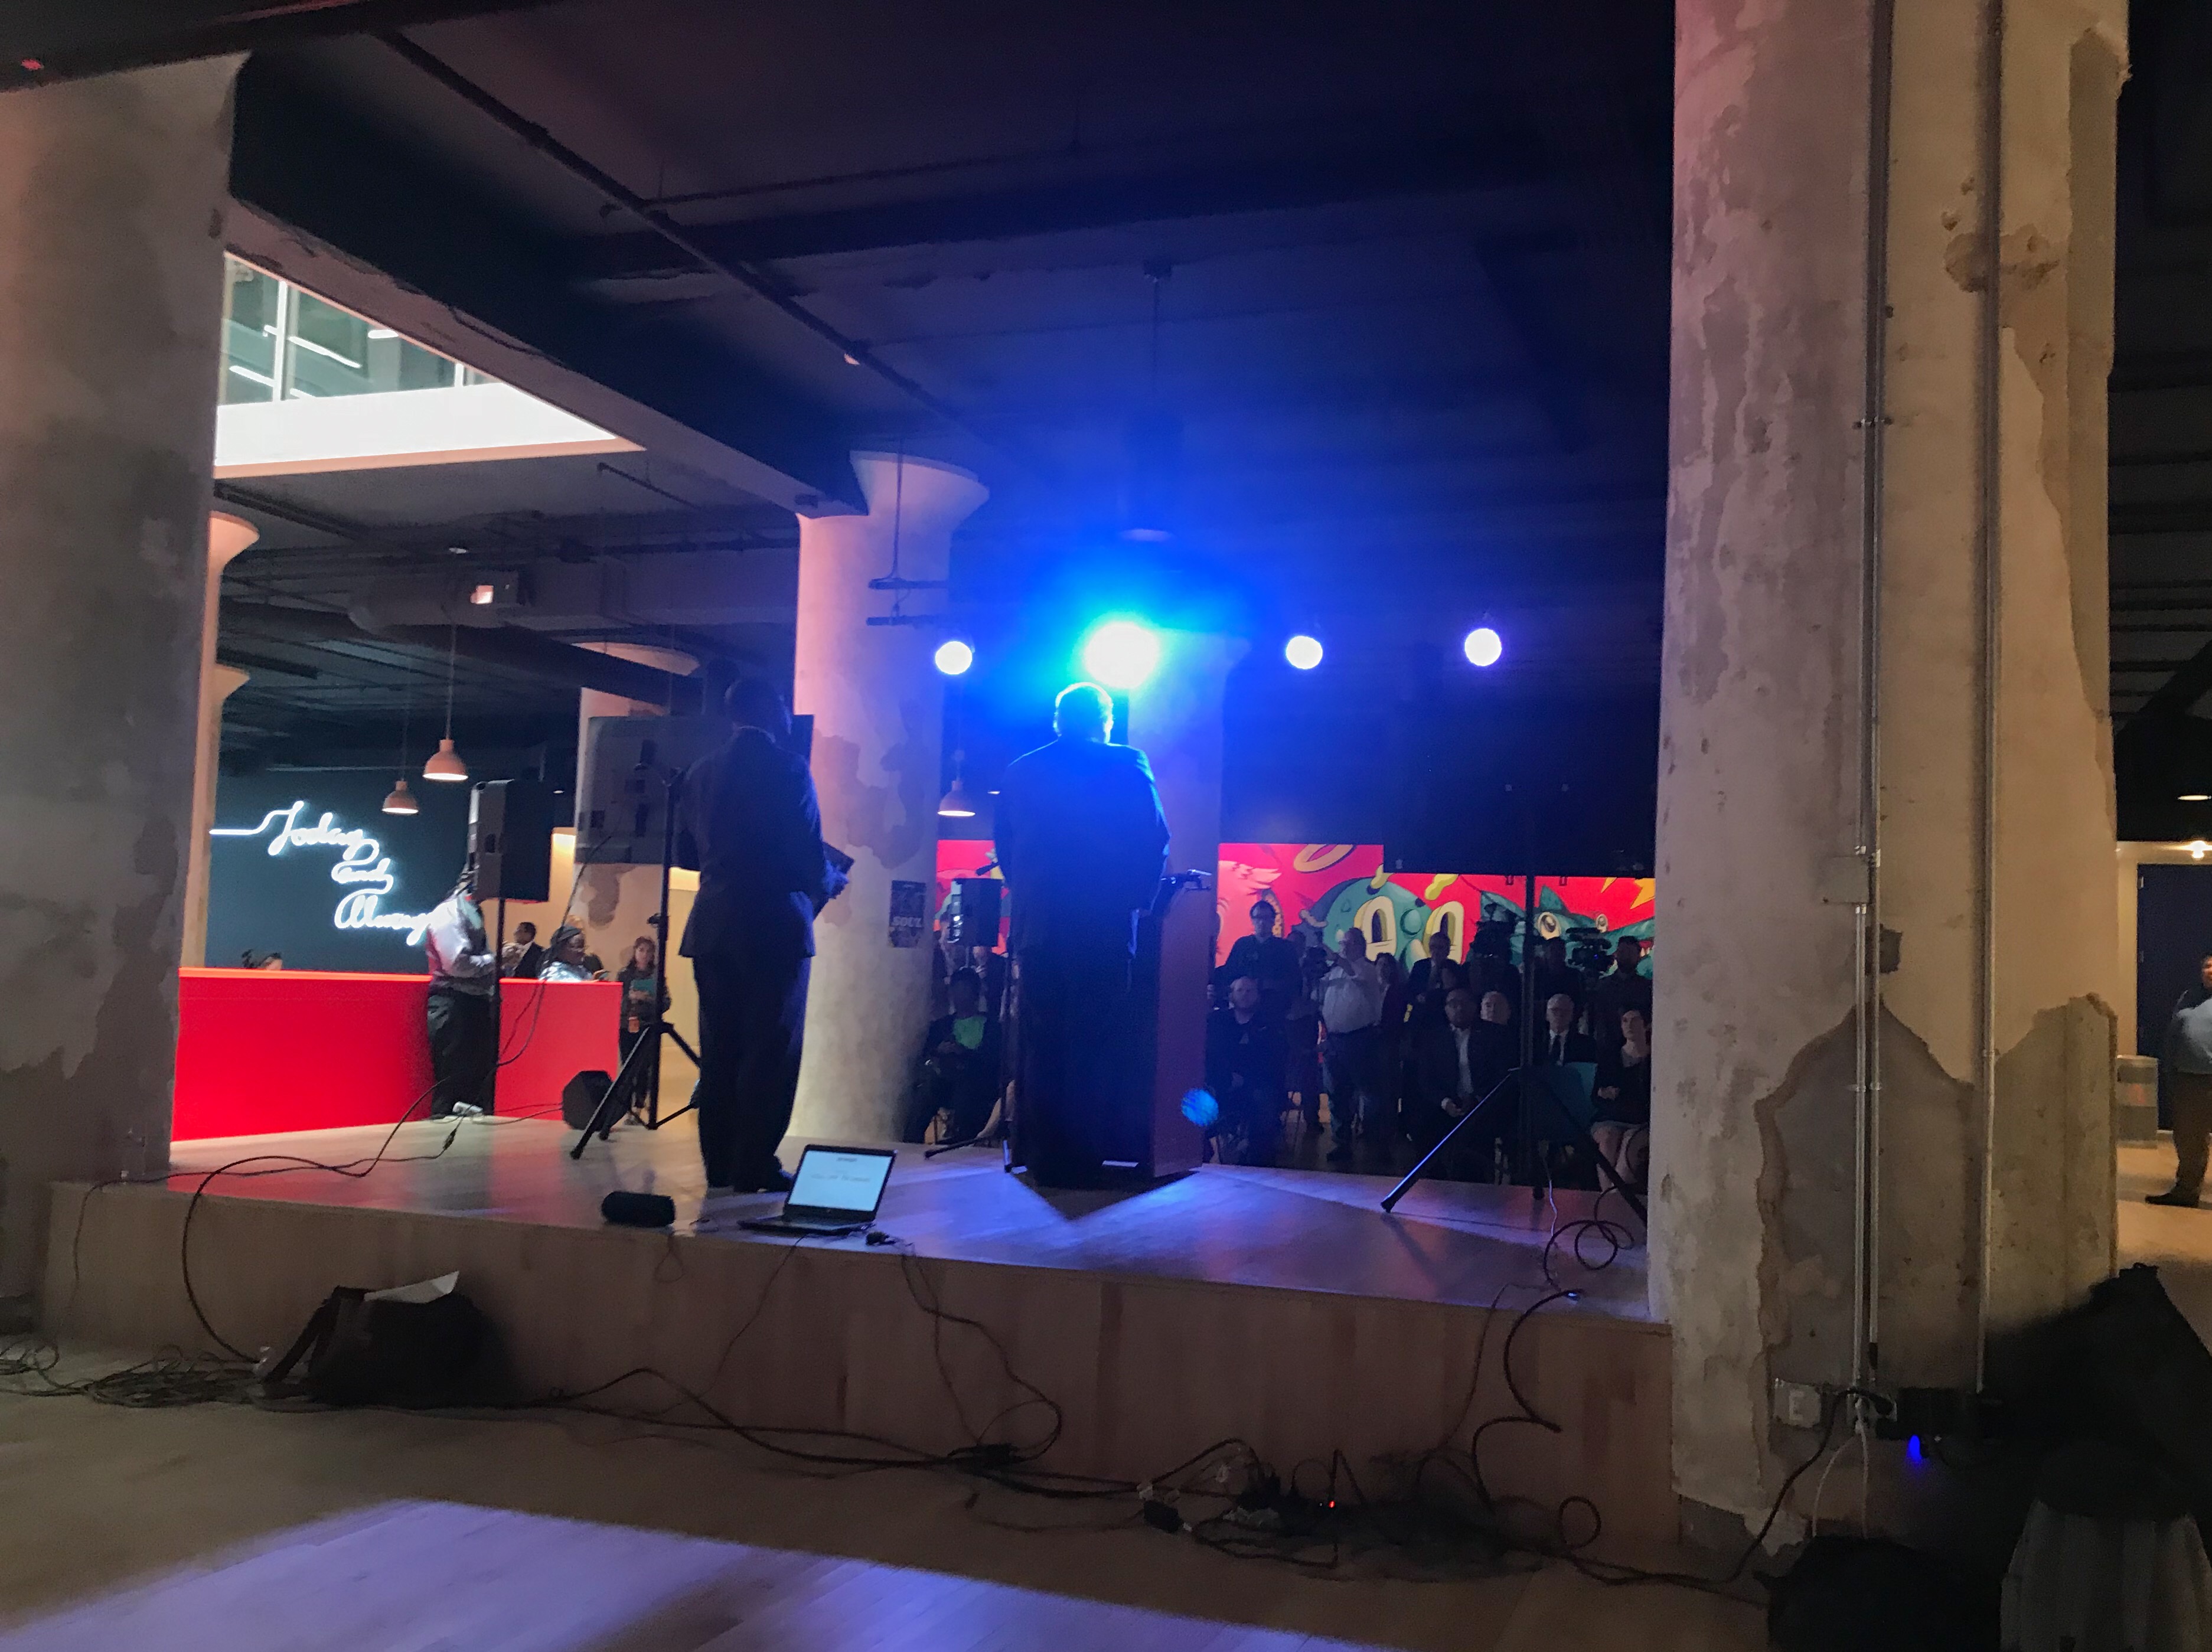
(1351, 1018)
(463, 1041)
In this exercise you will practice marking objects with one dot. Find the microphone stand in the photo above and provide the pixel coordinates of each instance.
(1514, 1080)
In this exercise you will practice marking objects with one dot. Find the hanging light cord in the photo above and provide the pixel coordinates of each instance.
(453, 640)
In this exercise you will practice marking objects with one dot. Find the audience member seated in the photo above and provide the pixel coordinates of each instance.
(1620, 989)
(566, 958)
(960, 1067)
(1623, 1127)
(524, 958)
(1561, 1044)
(1463, 1060)
(1269, 959)
(1247, 1058)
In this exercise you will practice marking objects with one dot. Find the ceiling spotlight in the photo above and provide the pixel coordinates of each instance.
(1484, 647)
(1122, 653)
(954, 657)
(400, 801)
(2194, 797)
(1302, 651)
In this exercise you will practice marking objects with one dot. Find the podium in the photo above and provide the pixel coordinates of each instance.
(1137, 1056)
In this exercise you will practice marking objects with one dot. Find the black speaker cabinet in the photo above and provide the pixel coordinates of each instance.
(510, 840)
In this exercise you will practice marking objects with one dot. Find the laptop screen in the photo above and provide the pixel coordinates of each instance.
(839, 1179)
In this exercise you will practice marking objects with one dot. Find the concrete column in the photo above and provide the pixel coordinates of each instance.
(227, 536)
(879, 708)
(113, 193)
(1762, 846)
(1176, 717)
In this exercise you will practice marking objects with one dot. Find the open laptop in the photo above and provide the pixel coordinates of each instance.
(836, 1190)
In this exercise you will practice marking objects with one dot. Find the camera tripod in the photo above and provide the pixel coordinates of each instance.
(640, 1073)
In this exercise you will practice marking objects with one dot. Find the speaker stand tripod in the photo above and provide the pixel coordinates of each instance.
(639, 1073)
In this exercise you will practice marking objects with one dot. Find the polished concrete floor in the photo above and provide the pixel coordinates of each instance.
(252, 1531)
(1455, 1242)
(2179, 1243)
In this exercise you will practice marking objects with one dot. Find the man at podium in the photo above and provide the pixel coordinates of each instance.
(1082, 845)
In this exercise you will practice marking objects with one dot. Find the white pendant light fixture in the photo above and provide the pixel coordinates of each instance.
(445, 762)
(958, 803)
(399, 800)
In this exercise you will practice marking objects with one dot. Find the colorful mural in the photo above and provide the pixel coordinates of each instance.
(1328, 886)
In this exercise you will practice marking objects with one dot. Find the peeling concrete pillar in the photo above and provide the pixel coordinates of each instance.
(879, 708)
(227, 536)
(1760, 829)
(112, 199)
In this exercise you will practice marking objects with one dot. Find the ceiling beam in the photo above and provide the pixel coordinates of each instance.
(361, 218)
(46, 40)
(679, 239)
(1469, 163)
(506, 647)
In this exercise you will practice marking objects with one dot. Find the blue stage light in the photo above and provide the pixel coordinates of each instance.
(955, 657)
(1913, 1450)
(1302, 651)
(1485, 646)
(1122, 653)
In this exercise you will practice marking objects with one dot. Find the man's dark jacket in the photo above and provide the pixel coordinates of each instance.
(753, 825)
(1081, 843)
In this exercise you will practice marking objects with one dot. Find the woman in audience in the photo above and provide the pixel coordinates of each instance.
(1623, 1129)
(566, 959)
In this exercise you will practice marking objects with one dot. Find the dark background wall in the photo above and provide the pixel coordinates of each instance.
(285, 903)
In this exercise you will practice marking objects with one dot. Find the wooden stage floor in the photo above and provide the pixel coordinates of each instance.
(1119, 1332)
(1448, 1242)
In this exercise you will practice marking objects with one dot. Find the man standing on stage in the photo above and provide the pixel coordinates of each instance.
(463, 1038)
(755, 831)
(1081, 845)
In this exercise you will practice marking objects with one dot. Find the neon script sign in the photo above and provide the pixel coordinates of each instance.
(363, 870)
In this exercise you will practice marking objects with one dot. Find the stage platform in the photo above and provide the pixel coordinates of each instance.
(1280, 1306)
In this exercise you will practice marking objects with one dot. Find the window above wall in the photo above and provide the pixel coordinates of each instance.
(281, 343)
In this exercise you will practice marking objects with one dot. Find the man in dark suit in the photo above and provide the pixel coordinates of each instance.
(754, 829)
(1457, 1061)
(1081, 845)
(1560, 1043)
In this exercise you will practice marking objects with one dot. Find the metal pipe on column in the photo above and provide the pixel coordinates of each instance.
(1874, 425)
(1988, 368)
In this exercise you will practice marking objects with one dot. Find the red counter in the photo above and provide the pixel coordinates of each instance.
(262, 1050)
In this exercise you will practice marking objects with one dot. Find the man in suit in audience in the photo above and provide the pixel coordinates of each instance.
(1560, 1044)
